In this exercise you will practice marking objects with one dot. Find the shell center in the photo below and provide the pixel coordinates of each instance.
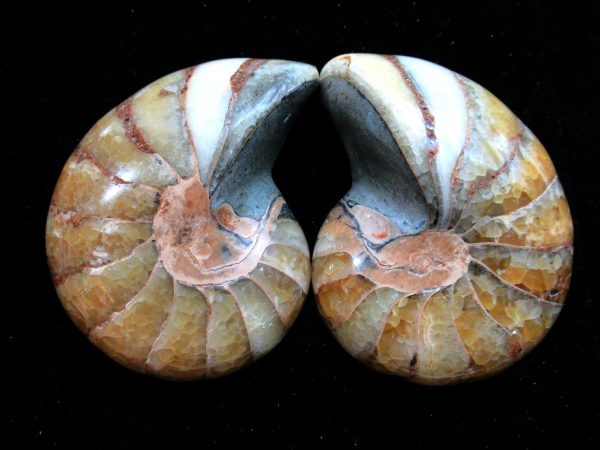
(427, 260)
(191, 240)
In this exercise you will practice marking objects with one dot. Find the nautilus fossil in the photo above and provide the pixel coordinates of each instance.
(450, 257)
(169, 244)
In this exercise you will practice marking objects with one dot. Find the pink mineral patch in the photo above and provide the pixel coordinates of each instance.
(428, 260)
(194, 248)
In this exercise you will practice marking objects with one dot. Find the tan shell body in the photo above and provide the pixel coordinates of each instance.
(169, 244)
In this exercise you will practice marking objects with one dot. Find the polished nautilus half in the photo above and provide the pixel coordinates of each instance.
(450, 256)
(169, 244)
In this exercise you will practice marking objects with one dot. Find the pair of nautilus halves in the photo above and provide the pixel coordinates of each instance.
(174, 252)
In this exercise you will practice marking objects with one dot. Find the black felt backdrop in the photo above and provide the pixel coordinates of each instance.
(64, 66)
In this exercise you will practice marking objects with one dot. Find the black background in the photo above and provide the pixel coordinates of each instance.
(62, 67)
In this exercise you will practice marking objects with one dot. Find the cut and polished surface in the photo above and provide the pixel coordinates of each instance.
(169, 244)
(450, 257)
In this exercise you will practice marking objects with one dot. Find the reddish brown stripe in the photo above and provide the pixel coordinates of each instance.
(459, 160)
(61, 277)
(133, 133)
(454, 199)
(186, 80)
(188, 134)
(348, 59)
(425, 111)
(514, 346)
(243, 73)
(81, 154)
(501, 170)
(237, 82)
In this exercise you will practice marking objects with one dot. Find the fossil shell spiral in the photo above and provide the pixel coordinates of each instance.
(169, 244)
(450, 257)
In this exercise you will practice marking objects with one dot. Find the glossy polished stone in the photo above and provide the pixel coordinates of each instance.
(169, 243)
(450, 257)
